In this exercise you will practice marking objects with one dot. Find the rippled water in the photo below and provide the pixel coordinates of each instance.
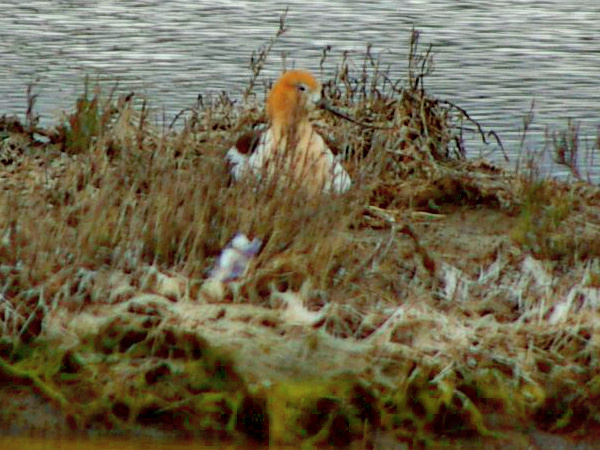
(41, 443)
(492, 58)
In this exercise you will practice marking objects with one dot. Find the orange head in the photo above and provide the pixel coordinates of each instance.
(291, 99)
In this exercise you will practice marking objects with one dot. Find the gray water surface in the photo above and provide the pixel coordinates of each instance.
(492, 58)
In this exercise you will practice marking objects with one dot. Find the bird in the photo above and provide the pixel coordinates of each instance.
(290, 148)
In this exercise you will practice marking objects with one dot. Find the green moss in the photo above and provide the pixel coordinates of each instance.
(421, 410)
(202, 392)
(540, 228)
(18, 376)
(322, 412)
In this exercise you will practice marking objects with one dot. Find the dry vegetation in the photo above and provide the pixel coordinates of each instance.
(444, 288)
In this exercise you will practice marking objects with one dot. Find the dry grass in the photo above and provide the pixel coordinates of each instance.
(133, 195)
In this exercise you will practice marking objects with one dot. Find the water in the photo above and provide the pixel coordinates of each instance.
(53, 443)
(492, 58)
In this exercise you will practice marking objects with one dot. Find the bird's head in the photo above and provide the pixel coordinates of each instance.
(292, 98)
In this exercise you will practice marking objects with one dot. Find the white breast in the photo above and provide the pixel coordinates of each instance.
(336, 179)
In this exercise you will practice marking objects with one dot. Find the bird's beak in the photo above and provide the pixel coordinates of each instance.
(324, 104)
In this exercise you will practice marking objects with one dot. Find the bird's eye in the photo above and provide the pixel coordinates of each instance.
(301, 88)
